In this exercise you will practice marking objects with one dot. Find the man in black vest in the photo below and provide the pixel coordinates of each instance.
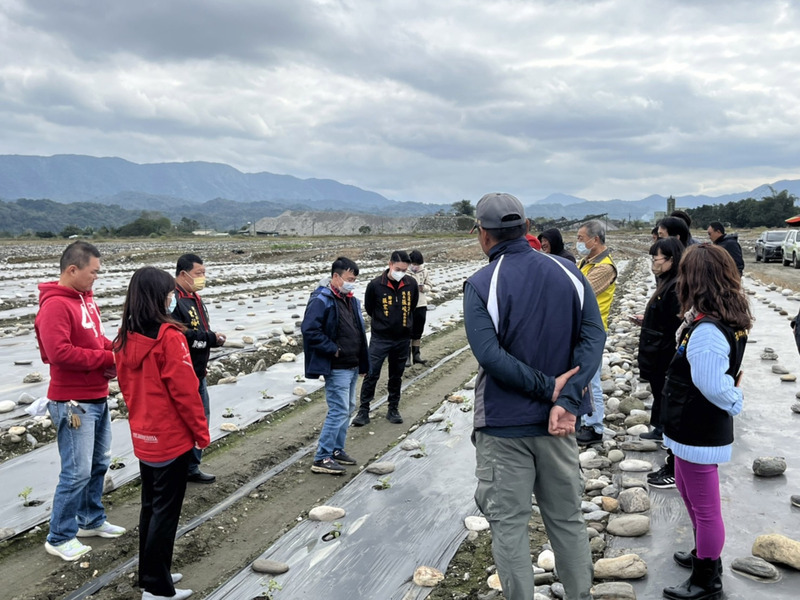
(190, 278)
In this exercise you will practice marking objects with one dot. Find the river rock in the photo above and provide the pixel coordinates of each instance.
(796, 407)
(17, 430)
(270, 567)
(380, 468)
(777, 548)
(427, 576)
(627, 566)
(779, 370)
(769, 466)
(229, 427)
(608, 386)
(494, 582)
(476, 523)
(287, 329)
(595, 515)
(616, 455)
(609, 504)
(261, 365)
(626, 405)
(288, 357)
(410, 444)
(615, 590)
(299, 391)
(635, 466)
(326, 513)
(7, 406)
(636, 419)
(756, 568)
(34, 377)
(546, 560)
(227, 380)
(634, 500)
(639, 445)
(769, 354)
(790, 377)
(629, 525)
(26, 398)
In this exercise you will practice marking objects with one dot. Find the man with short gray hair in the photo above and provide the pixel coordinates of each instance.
(535, 330)
(600, 271)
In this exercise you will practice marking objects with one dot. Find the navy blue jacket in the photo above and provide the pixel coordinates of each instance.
(320, 327)
(530, 317)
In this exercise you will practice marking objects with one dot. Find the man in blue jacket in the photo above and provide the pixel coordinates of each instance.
(335, 346)
(535, 328)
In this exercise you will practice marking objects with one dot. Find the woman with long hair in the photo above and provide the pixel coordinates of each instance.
(166, 419)
(701, 396)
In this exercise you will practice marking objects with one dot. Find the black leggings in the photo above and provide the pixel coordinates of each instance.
(418, 322)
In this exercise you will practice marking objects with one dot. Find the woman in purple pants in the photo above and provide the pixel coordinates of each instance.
(700, 398)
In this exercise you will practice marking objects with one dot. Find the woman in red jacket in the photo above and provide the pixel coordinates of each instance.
(166, 420)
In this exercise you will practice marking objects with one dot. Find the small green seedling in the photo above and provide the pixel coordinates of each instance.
(383, 483)
(24, 495)
(272, 587)
(116, 463)
(448, 426)
(299, 378)
(228, 414)
(265, 394)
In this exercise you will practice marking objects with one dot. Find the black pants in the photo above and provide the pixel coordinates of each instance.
(163, 489)
(379, 349)
(656, 387)
(418, 322)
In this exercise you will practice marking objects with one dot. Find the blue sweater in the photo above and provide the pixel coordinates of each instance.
(708, 354)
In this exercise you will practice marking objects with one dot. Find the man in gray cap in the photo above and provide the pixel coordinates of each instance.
(536, 331)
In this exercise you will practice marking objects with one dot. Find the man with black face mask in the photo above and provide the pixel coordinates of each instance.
(188, 308)
(390, 302)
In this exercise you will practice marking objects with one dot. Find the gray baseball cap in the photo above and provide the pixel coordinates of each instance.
(499, 211)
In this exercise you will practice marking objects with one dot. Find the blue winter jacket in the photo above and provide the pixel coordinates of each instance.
(530, 317)
(320, 326)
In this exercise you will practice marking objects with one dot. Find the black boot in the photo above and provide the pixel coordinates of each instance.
(705, 582)
(362, 418)
(393, 415)
(684, 559)
(417, 358)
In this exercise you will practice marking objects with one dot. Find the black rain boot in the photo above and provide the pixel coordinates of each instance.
(362, 418)
(684, 559)
(393, 415)
(705, 582)
(417, 358)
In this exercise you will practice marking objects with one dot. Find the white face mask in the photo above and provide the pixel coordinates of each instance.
(348, 287)
(581, 248)
(397, 275)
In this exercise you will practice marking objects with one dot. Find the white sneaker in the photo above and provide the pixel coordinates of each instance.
(176, 577)
(106, 530)
(179, 595)
(69, 550)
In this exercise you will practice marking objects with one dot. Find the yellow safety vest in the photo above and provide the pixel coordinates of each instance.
(605, 297)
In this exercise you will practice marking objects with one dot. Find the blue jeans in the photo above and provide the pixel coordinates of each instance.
(85, 456)
(595, 420)
(340, 394)
(197, 454)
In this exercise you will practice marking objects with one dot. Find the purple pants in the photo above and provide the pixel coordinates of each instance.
(699, 488)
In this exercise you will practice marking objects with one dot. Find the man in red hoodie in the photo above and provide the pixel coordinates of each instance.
(73, 342)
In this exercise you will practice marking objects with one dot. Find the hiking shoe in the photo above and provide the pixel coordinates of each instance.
(179, 595)
(587, 435)
(362, 418)
(343, 458)
(69, 550)
(654, 435)
(393, 416)
(106, 530)
(664, 478)
(796, 501)
(327, 465)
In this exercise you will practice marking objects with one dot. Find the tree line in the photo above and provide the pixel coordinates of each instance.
(770, 211)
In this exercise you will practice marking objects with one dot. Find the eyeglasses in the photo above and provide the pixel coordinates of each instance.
(657, 258)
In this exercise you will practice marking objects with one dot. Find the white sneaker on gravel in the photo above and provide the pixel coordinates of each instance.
(179, 595)
(106, 530)
(69, 550)
(176, 577)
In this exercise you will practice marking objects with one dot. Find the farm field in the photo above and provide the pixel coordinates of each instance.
(256, 295)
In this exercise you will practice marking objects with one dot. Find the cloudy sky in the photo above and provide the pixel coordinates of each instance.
(426, 101)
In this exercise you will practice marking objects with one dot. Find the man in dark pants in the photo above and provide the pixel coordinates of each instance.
(390, 301)
(190, 278)
(535, 329)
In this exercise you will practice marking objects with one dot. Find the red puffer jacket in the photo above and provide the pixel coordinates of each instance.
(160, 388)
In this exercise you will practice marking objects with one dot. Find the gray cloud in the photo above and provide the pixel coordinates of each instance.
(419, 101)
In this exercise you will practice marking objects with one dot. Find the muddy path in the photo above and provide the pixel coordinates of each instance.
(213, 552)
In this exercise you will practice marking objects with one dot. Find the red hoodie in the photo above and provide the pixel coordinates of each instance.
(160, 388)
(73, 342)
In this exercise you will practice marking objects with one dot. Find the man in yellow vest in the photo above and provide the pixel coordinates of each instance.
(598, 268)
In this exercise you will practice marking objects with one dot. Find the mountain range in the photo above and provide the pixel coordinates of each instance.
(218, 195)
